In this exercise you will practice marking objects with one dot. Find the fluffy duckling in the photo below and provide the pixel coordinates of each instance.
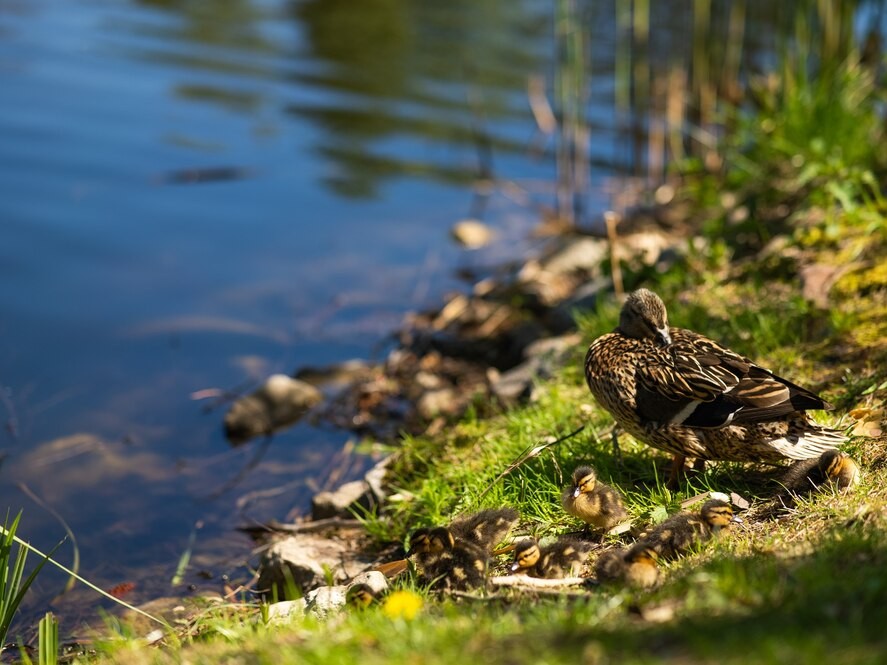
(486, 528)
(592, 501)
(562, 558)
(636, 566)
(833, 466)
(360, 596)
(443, 562)
(680, 533)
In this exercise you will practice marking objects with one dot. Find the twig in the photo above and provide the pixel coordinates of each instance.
(538, 582)
(611, 219)
(534, 452)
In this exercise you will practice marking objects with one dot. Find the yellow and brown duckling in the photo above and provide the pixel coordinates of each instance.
(593, 502)
(635, 566)
(443, 562)
(562, 558)
(683, 393)
(360, 596)
(486, 528)
(682, 532)
(833, 467)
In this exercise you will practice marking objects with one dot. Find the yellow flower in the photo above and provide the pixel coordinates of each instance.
(402, 604)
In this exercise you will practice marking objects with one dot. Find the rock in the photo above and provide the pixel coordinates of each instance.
(341, 374)
(286, 610)
(339, 502)
(280, 402)
(544, 356)
(304, 560)
(326, 599)
(472, 234)
(437, 402)
(578, 254)
(561, 318)
(375, 478)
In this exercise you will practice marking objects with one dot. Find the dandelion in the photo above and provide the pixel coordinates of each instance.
(402, 604)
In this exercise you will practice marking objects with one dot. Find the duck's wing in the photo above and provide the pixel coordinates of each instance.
(486, 528)
(698, 383)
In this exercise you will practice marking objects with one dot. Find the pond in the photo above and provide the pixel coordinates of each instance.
(195, 195)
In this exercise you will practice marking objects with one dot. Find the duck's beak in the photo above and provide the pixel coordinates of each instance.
(576, 492)
(515, 567)
(664, 336)
(736, 519)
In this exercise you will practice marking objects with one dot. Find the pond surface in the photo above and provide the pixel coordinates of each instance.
(194, 195)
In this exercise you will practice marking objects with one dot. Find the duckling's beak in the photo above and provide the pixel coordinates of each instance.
(664, 336)
(576, 492)
(515, 567)
(736, 519)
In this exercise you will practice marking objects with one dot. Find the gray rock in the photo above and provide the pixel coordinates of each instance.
(544, 357)
(286, 610)
(472, 234)
(561, 318)
(584, 254)
(326, 599)
(339, 503)
(436, 402)
(302, 560)
(279, 402)
(375, 477)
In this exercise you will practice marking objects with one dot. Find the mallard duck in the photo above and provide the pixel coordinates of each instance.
(562, 558)
(592, 501)
(680, 533)
(360, 596)
(687, 395)
(486, 528)
(443, 562)
(635, 566)
(833, 466)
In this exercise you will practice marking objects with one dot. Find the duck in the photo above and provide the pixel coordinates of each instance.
(636, 566)
(486, 528)
(592, 501)
(444, 562)
(562, 558)
(360, 596)
(689, 396)
(680, 533)
(832, 467)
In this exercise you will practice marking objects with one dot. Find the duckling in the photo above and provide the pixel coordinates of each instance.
(679, 533)
(635, 566)
(640, 566)
(486, 528)
(443, 562)
(833, 466)
(562, 558)
(592, 501)
(360, 596)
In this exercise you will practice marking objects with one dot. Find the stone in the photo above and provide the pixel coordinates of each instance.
(437, 402)
(339, 503)
(303, 560)
(279, 402)
(286, 610)
(472, 234)
(375, 478)
(323, 600)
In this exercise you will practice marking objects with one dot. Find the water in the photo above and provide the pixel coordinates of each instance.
(194, 195)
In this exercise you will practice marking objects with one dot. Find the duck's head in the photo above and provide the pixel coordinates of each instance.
(526, 555)
(644, 316)
(832, 463)
(360, 595)
(718, 514)
(642, 554)
(584, 480)
(430, 541)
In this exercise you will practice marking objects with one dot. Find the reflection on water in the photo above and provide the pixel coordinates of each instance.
(195, 195)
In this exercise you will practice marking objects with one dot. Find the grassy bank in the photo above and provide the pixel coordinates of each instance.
(786, 248)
